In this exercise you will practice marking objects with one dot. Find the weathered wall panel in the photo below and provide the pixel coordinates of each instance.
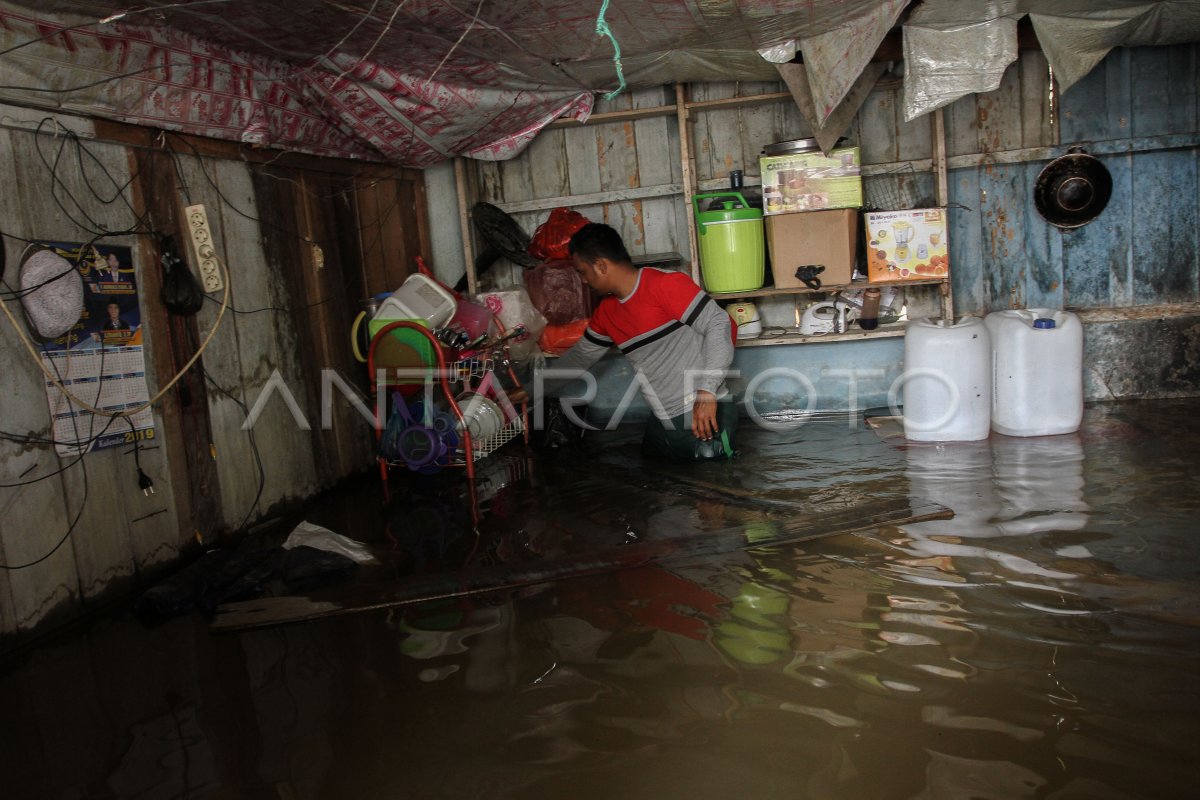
(284, 304)
(100, 490)
(1142, 251)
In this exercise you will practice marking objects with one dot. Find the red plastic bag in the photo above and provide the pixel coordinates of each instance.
(558, 339)
(550, 239)
(558, 291)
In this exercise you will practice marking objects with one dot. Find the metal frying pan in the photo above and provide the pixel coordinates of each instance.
(1073, 189)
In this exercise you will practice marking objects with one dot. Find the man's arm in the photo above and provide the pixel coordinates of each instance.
(590, 348)
(713, 325)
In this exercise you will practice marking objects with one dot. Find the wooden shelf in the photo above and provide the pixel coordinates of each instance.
(793, 336)
(773, 292)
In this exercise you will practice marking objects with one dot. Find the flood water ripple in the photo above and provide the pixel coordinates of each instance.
(1043, 643)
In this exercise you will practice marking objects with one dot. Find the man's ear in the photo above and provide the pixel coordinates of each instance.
(601, 265)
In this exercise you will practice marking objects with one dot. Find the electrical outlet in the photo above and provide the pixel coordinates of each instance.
(203, 248)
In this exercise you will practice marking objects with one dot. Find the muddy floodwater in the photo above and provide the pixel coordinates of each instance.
(1043, 643)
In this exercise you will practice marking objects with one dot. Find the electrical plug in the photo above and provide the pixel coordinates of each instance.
(144, 483)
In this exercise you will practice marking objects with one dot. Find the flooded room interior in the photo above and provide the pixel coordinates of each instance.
(659, 399)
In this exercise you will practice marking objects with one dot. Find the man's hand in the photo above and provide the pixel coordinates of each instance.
(704, 415)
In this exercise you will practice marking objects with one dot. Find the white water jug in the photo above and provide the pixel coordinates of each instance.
(948, 380)
(1037, 371)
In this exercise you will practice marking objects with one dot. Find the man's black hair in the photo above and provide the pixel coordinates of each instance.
(597, 240)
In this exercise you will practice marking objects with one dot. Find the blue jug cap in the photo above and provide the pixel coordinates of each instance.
(1043, 322)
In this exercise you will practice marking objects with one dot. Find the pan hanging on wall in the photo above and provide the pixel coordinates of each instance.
(1073, 189)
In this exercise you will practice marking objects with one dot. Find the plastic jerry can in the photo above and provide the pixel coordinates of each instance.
(1037, 371)
(419, 297)
(948, 380)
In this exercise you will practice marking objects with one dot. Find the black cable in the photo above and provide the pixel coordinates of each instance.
(271, 308)
(79, 460)
(221, 195)
(94, 227)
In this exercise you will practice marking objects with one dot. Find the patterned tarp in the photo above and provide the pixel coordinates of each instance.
(412, 82)
(405, 81)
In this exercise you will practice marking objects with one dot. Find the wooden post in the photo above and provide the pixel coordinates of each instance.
(687, 171)
(939, 158)
(464, 222)
(943, 196)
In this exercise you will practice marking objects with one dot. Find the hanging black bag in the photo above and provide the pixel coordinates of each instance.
(181, 292)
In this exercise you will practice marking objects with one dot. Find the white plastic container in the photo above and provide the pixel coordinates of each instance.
(419, 297)
(1037, 371)
(948, 380)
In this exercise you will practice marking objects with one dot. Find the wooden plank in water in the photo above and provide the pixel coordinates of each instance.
(504, 577)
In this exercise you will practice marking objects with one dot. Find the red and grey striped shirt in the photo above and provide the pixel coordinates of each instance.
(670, 329)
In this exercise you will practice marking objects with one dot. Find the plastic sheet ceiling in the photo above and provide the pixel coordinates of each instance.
(414, 81)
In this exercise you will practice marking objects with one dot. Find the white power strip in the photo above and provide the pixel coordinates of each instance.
(203, 248)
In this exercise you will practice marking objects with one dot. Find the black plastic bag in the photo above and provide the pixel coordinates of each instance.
(181, 293)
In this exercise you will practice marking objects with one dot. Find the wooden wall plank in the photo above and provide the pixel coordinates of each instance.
(221, 362)
(878, 127)
(1150, 82)
(1183, 107)
(1099, 258)
(1037, 126)
(1042, 247)
(616, 151)
(399, 256)
(547, 160)
(760, 125)
(966, 246)
(288, 471)
(1164, 228)
(370, 233)
(1118, 94)
(81, 186)
(316, 222)
(517, 179)
(718, 145)
(655, 219)
(999, 114)
(914, 140)
(1001, 186)
(583, 163)
(157, 538)
(962, 123)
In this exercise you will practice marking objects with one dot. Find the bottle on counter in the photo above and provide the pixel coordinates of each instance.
(868, 318)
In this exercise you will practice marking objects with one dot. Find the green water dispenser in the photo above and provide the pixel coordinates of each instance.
(731, 242)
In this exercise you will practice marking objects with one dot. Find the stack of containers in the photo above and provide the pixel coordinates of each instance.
(811, 202)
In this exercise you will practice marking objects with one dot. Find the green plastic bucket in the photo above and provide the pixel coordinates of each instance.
(731, 243)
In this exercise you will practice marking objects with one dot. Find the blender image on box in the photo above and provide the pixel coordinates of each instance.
(907, 245)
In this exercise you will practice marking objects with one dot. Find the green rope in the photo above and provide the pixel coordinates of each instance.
(602, 29)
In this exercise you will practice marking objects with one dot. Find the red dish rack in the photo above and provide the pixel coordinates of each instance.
(451, 377)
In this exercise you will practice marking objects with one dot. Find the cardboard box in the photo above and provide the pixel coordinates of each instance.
(828, 238)
(811, 181)
(907, 245)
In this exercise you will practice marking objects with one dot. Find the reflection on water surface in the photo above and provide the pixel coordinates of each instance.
(1043, 643)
